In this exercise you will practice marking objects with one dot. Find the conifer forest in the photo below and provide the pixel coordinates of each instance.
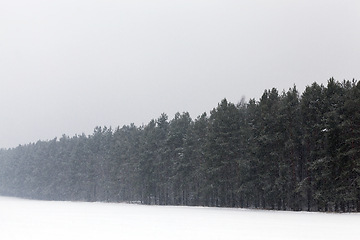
(286, 151)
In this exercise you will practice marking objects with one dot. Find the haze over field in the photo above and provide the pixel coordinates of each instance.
(38, 220)
(68, 66)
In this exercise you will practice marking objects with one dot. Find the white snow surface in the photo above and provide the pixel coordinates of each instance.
(29, 219)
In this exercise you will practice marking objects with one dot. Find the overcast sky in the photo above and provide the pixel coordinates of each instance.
(69, 66)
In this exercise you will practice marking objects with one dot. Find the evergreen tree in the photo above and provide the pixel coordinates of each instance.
(223, 152)
(312, 111)
(292, 169)
(193, 161)
(270, 141)
(181, 172)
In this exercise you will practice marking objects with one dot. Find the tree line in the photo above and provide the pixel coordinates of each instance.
(285, 151)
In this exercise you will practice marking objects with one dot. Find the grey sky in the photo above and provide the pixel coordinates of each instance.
(68, 66)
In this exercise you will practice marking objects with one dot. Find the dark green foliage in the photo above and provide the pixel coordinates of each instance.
(285, 151)
(223, 148)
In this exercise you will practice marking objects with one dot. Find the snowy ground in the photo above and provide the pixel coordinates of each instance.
(26, 219)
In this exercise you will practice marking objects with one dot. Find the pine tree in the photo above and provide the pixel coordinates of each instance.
(291, 166)
(193, 160)
(181, 172)
(223, 153)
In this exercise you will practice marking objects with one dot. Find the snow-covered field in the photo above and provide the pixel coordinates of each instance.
(27, 219)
